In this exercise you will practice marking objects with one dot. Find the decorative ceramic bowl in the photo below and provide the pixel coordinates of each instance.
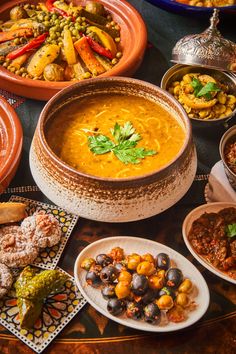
(228, 137)
(183, 9)
(133, 45)
(176, 72)
(112, 199)
(11, 138)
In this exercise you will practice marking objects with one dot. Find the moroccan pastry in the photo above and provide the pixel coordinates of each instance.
(16, 249)
(5, 279)
(43, 228)
(12, 212)
(32, 289)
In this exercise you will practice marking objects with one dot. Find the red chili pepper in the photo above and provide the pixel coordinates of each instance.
(99, 49)
(34, 43)
(52, 8)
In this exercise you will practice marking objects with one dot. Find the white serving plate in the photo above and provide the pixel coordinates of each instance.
(141, 246)
(195, 214)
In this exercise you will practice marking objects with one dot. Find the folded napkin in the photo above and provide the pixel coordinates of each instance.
(218, 188)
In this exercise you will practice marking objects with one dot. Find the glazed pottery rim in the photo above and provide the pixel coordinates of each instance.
(173, 69)
(16, 141)
(60, 94)
(137, 52)
(223, 141)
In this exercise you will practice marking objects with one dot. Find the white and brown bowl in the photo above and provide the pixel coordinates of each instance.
(227, 139)
(112, 199)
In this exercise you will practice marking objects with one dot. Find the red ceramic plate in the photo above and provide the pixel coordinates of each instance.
(133, 45)
(11, 137)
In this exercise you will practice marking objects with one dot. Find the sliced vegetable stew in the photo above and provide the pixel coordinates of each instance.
(58, 41)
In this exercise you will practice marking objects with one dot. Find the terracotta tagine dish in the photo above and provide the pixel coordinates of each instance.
(11, 138)
(73, 43)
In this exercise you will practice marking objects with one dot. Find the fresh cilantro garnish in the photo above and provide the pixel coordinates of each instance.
(231, 230)
(197, 85)
(124, 146)
(100, 144)
(205, 91)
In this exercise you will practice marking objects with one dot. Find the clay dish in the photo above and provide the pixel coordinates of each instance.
(112, 199)
(11, 138)
(133, 45)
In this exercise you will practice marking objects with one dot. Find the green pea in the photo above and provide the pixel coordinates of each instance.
(114, 61)
(53, 36)
(46, 23)
(17, 41)
(75, 33)
(118, 55)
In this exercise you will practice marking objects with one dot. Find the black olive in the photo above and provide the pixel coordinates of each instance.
(120, 267)
(134, 310)
(103, 260)
(174, 277)
(108, 291)
(108, 274)
(167, 291)
(163, 261)
(139, 284)
(93, 278)
(149, 296)
(152, 313)
(115, 306)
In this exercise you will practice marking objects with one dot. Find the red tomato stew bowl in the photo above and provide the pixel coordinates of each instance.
(133, 41)
(11, 137)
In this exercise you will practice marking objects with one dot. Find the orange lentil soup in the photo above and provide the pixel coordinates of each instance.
(67, 135)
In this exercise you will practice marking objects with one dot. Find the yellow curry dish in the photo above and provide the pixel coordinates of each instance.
(208, 3)
(203, 97)
(59, 41)
(115, 135)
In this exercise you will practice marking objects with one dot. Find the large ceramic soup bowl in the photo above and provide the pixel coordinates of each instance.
(113, 149)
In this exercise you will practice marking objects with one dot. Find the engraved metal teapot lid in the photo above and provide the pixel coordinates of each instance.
(208, 48)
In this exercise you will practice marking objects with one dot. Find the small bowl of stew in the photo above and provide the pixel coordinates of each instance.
(228, 154)
(207, 95)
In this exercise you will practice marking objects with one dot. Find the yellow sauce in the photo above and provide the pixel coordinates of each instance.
(160, 131)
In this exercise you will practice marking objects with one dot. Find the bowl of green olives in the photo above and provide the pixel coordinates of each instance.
(157, 291)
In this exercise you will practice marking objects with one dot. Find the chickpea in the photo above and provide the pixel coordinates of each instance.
(165, 302)
(145, 268)
(231, 100)
(222, 97)
(186, 286)
(187, 79)
(175, 83)
(176, 90)
(122, 289)
(125, 276)
(133, 261)
(182, 300)
(155, 282)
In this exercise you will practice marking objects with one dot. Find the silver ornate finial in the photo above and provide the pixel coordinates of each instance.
(214, 20)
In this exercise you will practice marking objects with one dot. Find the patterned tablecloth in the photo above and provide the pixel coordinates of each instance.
(90, 332)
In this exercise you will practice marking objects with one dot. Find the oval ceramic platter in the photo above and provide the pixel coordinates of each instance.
(195, 214)
(141, 246)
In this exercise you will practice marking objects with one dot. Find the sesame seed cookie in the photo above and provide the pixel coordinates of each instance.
(16, 249)
(43, 228)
